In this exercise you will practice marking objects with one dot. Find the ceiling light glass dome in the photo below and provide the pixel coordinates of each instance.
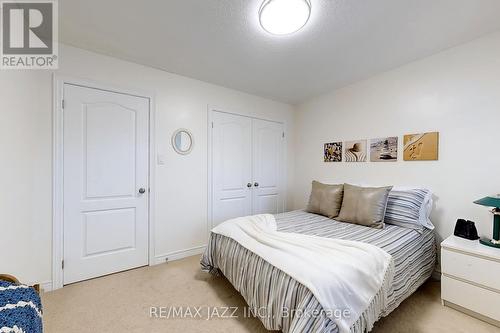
(282, 17)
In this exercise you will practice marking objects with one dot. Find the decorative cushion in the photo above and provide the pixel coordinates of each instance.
(325, 199)
(409, 207)
(364, 205)
(16, 317)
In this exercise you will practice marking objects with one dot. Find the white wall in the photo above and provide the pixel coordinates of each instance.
(26, 154)
(456, 92)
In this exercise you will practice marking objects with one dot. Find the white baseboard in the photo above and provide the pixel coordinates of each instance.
(162, 258)
(46, 286)
(436, 275)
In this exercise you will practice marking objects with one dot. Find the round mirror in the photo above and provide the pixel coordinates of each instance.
(182, 141)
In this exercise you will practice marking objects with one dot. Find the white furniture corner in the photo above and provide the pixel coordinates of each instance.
(470, 280)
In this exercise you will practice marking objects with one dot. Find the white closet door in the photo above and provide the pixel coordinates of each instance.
(231, 166)
(106, 139)
(268, 196)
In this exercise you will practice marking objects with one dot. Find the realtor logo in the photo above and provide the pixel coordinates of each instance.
(29, 34)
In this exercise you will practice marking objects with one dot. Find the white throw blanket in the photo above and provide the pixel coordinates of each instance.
(341, 274)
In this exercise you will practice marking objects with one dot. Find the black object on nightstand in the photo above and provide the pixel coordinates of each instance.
(466, 229)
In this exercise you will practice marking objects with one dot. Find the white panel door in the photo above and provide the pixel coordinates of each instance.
(106, 181)
(268, 196)
(231, 166)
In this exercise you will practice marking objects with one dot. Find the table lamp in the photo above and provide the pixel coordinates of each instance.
(492, 201)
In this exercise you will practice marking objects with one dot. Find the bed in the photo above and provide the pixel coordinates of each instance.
(268, 290)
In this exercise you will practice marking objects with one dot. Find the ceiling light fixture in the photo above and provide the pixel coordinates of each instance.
(282, 17)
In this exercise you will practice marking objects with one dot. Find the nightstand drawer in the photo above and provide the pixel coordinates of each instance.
(479, 300)
(471, 268)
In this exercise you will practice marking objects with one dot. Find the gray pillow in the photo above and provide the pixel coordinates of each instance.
(325, 199)
(409, 207)
(364, 205)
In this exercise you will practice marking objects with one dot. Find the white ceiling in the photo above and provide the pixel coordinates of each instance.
(220, 41)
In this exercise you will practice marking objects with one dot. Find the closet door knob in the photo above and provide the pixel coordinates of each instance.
(256, 184)
(142, 190)
(249, 185)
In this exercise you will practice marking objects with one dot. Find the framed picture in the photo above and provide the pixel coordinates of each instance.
(384, 149)
(355, 151)
(421, 147)
(333, 152)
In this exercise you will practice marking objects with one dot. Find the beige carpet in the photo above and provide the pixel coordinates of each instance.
(121, 303)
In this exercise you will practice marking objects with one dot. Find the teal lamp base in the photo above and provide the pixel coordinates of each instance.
(488, 242)
(495, 242)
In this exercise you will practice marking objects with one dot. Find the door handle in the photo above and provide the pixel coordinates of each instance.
(142, 190)
(249, 185)
(256, 184)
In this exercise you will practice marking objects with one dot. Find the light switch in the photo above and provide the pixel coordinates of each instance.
(161, 159)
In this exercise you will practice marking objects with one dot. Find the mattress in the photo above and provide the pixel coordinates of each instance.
(281, 303)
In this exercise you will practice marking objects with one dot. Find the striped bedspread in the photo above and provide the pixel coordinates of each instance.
(283, 304)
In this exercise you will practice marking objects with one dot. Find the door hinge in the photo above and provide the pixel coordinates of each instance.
(62, 264)
(212, 124)
(63, 104)
(283, 135)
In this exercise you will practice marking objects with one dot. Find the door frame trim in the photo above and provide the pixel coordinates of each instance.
(58, 167)
(210, 111)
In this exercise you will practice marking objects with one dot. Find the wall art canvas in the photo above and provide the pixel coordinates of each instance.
(333, 152)
(421, 147)
(384, 149)
(355, 151)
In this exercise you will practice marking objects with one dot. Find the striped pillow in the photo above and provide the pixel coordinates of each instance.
(409, 208)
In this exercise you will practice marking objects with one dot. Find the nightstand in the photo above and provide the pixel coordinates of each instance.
(470, 279)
